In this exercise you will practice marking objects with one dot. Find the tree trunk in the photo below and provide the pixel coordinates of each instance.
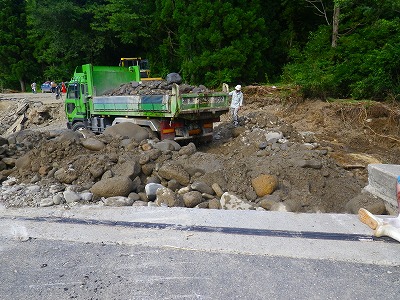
(22, 84)
(335, 25)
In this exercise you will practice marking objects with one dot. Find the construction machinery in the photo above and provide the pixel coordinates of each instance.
(142, 64)
(172, 115)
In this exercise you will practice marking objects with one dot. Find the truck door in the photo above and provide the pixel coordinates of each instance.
(75, 104)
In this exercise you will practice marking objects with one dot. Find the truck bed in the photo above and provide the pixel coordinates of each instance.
(135, 103)
(160, 105)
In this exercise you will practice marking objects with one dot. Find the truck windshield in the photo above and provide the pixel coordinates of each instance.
(73, 91)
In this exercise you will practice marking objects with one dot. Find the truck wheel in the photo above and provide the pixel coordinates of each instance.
(78, 126)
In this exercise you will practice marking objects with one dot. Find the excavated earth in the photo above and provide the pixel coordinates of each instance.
(287, 154)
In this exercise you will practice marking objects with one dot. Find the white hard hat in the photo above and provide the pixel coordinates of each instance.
(238, 87)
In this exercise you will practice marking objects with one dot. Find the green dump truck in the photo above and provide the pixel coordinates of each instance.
(172, 115)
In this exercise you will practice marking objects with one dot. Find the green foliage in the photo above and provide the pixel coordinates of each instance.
(379, 62)
(62, 36)
(124, 21)
(16, 61)
(365, 63)
(208, 42)
(216, 41)
(311, 68)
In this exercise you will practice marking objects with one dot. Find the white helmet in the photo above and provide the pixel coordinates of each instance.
(238, 87)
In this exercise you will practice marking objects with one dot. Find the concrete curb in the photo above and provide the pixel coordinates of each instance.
(382, 180)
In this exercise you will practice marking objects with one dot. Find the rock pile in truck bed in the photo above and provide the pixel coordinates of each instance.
(154, 87)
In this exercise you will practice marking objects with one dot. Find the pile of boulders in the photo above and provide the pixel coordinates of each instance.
(157, 87)
(15, 146)
(121, 167)
(262, 164)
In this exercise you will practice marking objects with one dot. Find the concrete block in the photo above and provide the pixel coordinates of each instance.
(382, 180)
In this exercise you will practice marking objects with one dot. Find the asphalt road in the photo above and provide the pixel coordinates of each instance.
(131, 253)
(48, 269)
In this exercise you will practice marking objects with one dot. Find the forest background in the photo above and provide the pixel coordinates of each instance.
(330, 48)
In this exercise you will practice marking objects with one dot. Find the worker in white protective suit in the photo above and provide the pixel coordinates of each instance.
(236, 103)
(383, 226)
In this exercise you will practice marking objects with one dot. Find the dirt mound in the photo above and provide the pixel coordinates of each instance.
(308, 179)
(317, 151)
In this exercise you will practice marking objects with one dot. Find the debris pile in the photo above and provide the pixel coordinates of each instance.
(264, 164)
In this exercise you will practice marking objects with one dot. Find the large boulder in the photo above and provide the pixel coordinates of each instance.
(69, 136)
(368, 201)
(268, 201)
(3, 165)
(9, 161)
(217, 189)
(118, 201)
(3, 141)
(167, 145)
(114, 186)
(173, 78)
(188, 149)
(130, 168)
(164, 146)
(71, 196)
(171, 171)
(154, 153)
(264, 184)
(3, 149)
(148, 168)
(128, 130)
(214, 204)
(193, 198)
(151, 190)
(23, 164)
(232, 202)
(202, 187)
(168, 198)
(66, 176)
(92, 144)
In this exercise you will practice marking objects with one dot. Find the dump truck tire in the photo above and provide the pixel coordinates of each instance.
(78, 126)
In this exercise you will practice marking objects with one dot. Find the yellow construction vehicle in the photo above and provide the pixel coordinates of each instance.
(143, 65)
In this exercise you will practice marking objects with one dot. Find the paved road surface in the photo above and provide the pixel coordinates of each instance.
(157, 253)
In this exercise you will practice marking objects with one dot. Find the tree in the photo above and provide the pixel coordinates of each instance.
(215, 41)
(364, 64)
(335, 24)
(62, 37)
(322, 10)
(16, 61)
(124, 25)
(288, 26)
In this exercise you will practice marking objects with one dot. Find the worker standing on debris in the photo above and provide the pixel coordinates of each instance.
(236, 103)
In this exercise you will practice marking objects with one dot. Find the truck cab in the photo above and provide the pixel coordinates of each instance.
(90, 81)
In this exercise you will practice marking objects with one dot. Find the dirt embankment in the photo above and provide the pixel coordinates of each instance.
(311, 154)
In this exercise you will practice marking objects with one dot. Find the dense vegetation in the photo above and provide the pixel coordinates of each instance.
(331, 48)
